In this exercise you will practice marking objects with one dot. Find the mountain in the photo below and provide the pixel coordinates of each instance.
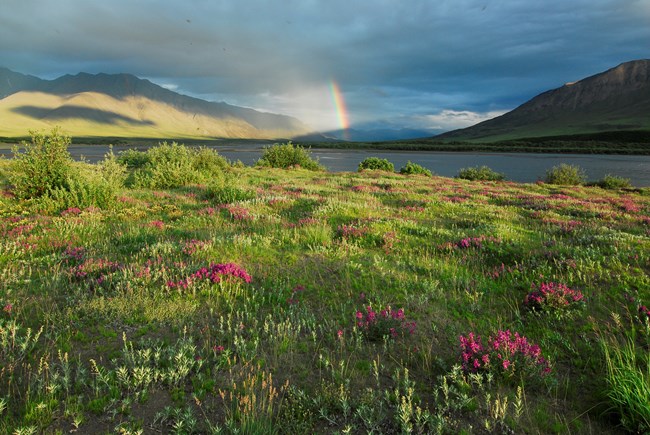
(615, 100)
(123, 105)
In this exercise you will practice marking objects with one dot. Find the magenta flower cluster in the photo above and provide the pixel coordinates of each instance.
(192, 246)
(475, 242)
(73, 253)
(351, 231)
(386, 322)
(214, 273)
(553, 296)
(504, 353)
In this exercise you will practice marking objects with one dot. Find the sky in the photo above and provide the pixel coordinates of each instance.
(422, 64)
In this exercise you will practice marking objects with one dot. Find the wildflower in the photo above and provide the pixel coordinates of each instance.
(339, 334)
(7, 308)
(218, 349)
(553, 296)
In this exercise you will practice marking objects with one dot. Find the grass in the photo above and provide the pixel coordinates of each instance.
(110, 323)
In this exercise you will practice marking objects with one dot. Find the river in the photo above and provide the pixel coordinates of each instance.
(520, 167)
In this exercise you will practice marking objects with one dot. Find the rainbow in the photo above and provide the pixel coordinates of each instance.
(341, 110)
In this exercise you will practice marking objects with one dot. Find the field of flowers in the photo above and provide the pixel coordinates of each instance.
(295, 301)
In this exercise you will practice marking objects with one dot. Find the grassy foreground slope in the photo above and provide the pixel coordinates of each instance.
(289, 301)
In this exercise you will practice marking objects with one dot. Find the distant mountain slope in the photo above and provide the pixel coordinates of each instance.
(124, 105)
(617, 99)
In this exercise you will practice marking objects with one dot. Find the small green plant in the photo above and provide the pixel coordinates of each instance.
(226, 193)
(414, 169)
(483, 173)
(376, 164)
(613, 182)
(628, 384)
(288, 155)
(44, 165)
(566, 175)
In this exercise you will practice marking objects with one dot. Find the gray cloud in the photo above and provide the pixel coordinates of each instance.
(393, 60)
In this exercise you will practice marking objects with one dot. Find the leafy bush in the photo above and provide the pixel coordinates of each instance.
(168, 166)
(414, 168)
(133, 158)
(482, 173)
(44, 165)
(614, 182)
(566, 175)
(288, 155)
(208, 161)
(88, 186)
(376, 164)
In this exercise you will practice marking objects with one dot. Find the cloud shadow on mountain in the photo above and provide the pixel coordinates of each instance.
(78, 112)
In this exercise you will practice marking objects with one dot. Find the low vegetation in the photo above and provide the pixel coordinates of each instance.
(376, 164)
(262, 300)
(566, 175)
(482, 173)
(288, 155)
(411, 168)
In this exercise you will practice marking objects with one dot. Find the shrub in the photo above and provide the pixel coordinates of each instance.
(614, 182)
(376, 164)
(288, 155)
(566, 175)
(414, 168)
(208, 161)
(133, 158)
(44, 165)
(88, 186)
(168, 166)
(482, 173)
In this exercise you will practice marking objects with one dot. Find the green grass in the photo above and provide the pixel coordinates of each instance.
(108, 324)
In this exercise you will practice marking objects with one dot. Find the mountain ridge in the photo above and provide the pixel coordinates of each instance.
(192, 117)
(615, 99)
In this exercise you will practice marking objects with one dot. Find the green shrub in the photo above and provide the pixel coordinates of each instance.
(88, 186)
(614, 182)
(44, 165)
(483, 173)
(566, 175)
(133, 158)
(414, 168)
(288, 155)
(376, 164)
(208, 161)
(168, 166)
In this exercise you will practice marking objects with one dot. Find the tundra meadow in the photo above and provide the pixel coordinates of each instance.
(172, 291)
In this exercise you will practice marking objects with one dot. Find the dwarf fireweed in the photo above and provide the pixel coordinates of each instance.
(552, 296)
(376, 325)
(214, 273)
(351, 231)
(505, 353)
(475, 242)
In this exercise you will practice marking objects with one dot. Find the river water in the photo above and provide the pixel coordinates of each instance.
(520, 167)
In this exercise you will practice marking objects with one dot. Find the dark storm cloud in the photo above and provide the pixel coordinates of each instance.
(393, 60)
